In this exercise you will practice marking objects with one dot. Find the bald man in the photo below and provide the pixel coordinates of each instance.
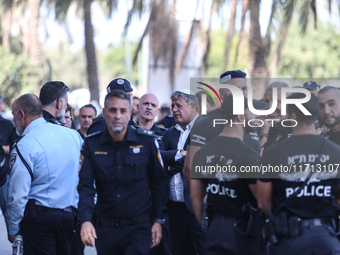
(148, 108)
(329, 111)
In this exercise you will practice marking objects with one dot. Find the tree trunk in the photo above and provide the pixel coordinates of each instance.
(90, 50)
(25, 36)
(257, 67)
(242, 41)
(6, 23)
(35, 47)
(230, 33)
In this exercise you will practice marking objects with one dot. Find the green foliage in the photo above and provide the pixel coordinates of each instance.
(68, 66)
(17, 76)
(315, 55)
(114, 64)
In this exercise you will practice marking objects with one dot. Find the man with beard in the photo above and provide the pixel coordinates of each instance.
(42, 190)
(54, 98)
(126, 166)
(228, 193)
(329, 111)
(86, 115)
(301, 200)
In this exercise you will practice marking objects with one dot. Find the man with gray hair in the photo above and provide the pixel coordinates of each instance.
(54, 98)
(185, 231)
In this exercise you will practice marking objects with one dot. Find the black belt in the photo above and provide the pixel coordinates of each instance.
(69, 209)
(316, 222)
(123, 222)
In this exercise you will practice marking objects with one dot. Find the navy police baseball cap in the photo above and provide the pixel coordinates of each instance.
(311, 85)
(227, 105)
(119, 83)
(228, 75)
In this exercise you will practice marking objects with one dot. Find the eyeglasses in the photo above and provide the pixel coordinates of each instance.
(177, 106)
(61, 91)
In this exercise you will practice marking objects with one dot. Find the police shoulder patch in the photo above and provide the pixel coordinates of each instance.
(145, 132)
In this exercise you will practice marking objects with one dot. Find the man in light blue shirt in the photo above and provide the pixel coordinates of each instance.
(44, 177)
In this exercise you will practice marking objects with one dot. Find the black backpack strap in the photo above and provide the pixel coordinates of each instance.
(24, 161)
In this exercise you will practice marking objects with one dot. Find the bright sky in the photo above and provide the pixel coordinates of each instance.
(109, 30)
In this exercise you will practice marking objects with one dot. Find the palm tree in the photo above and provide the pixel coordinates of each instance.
(61, 9)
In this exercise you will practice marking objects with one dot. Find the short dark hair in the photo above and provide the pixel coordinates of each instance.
(68, 108)
(136, 98)
(312, 106)
(30, 104)
(165, 109)
(117, 93)
(52, 91)
(89, 106)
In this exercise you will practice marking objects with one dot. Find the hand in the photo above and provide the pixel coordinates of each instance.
(156, 234)
(183, 153)
(11, 238)
(87, 233)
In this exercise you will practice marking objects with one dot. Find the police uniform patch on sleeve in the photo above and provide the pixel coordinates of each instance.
(137, 149)
(81, 161)
(160, 158)
(12, 160)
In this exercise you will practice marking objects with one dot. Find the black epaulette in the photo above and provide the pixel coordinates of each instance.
(134, 124)
(93, 134)
(146, 132)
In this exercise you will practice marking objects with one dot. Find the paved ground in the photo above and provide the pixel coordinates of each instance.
(6, 246)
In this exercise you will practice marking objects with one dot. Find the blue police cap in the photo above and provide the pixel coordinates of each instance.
(119, 83)
(228, 75)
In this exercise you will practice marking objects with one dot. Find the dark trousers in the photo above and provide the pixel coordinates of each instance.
(223, 239)
(128, 240)
(77, 246)
(314, 240)
(49, 234)
(186, 234)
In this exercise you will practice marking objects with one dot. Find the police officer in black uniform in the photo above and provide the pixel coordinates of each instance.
(302, 198)
(126, 165)
(231, 198)
(329, 110)
(99, 123)
(54, 98)
(204, 130)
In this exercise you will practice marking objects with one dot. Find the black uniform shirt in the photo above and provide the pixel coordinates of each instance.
(7, 137)
(204, 131)
(167, 122)
(334, 137)
(226, 192)
(318, 197)
(49, 118)
(159, 132)
(124, 175)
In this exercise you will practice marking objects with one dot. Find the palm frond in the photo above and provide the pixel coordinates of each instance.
(304, 15)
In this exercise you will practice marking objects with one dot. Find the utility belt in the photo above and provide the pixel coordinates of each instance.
(114, 223)
(31, 209)
(283, 226)
(250, 225)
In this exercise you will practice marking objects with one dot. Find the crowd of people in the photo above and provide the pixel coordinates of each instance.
(128, 185)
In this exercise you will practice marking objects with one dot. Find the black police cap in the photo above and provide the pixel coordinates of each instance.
(227, 105)
(119, 83)
(228, 75)
(311, 85)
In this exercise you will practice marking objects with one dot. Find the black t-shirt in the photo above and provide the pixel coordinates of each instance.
(334, 137)
(318, 197)
(226, 192)
(204, 131)
(277, 134)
